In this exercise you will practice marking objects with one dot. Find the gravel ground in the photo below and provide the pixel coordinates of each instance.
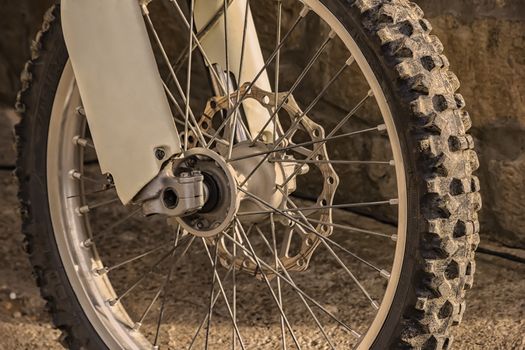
(495, 317)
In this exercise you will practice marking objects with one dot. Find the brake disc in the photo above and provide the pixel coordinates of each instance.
(314, 223)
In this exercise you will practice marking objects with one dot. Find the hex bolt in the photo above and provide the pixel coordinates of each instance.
(160, 153)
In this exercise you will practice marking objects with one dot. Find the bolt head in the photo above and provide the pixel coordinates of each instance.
(199, 224)
(160, 153)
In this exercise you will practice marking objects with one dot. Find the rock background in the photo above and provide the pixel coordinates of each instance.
(485, 42)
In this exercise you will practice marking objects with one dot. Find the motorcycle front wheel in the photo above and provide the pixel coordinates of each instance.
(380, 116)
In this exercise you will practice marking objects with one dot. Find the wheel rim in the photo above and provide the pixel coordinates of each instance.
(84, 265)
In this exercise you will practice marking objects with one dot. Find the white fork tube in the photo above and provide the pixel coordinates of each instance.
(214, 46)
(127, 109)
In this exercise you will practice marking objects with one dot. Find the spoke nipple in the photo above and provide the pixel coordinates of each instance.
(350, 61)
(75, 174)
(393, 201)
(145, 10)
(375, 305)
(304, 11)
(332, 34)
(381, 127)
(80, 111)
(392, 163)
(136, 326)
(82, 210)
(87, 243)
(394, 238)
(112, 302)
(385, 274)
(100, 272)
(370, 93)
(77, 140)
(199, 225)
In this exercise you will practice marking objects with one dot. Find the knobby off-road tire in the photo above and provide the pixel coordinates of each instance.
(443, 197)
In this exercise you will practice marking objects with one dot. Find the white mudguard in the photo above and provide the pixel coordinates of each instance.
(121, 89)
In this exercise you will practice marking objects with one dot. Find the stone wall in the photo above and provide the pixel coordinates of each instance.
(485, 42)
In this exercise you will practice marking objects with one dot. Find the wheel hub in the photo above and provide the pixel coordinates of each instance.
(221, 186)
(222, 198)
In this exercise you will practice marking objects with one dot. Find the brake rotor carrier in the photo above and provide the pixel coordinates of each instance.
(273, 182)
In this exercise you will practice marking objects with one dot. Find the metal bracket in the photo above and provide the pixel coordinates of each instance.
(173, 195)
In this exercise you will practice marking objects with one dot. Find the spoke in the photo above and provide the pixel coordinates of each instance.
(181, 122)
(298, 81)
(141, 278)
(277, 72)
(279, 264)
(204, 133)
(214, 273)
(185, 99)
(298, 20)
(354, 229)
(144, 275)
(294, 287)
(188, 77)
(215, 299)
(334, 206)
(334, 130)
(200, 35)
(382, 272)
(227, 60)
(102, 190)
(107, 269)
(234, 287)
(310, 228)
(198, 43)
(314, 102)
(374, 303)
(174, 263)
(276, 260)
(239, 79)
(88, 207)
(298, 120)
(341, 206)
(111, 227)
(80, 176)
(308, 143)
(311, 161)
(393, 237)
(258, 262)
(163, 303)
(216, 277)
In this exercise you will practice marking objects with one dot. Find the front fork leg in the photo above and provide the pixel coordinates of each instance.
(214, 44)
